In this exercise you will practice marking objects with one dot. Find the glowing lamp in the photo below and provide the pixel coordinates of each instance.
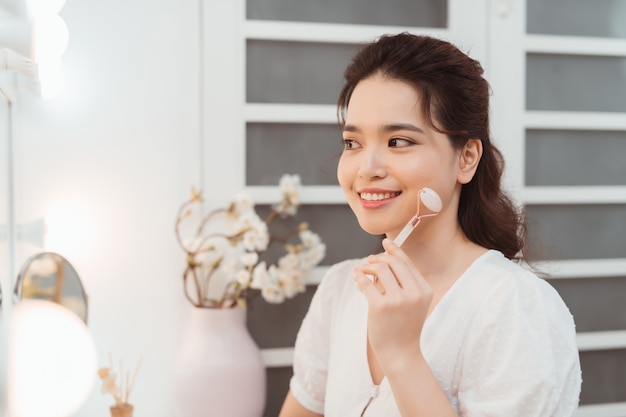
(33, 45)
(36, 8)
(52, 360)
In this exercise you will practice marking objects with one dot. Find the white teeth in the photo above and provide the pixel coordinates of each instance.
(377, 197)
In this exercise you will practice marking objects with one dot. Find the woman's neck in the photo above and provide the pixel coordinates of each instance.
(441, 253)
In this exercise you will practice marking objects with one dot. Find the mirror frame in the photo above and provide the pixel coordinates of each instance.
(62, 263)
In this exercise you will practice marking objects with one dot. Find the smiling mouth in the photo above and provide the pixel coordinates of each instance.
(378, 196)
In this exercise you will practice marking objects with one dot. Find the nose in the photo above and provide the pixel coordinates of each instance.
(372, 165)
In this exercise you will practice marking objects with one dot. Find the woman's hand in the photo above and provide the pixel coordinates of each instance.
(399, 300)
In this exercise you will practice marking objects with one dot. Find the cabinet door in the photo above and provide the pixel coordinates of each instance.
(559, 77)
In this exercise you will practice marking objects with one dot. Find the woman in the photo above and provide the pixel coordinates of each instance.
(449, 325)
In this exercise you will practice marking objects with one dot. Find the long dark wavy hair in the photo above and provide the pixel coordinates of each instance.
(455, 101)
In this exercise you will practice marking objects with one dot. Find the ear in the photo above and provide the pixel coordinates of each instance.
(469, 157)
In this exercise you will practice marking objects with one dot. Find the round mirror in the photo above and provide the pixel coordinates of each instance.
(49, 276)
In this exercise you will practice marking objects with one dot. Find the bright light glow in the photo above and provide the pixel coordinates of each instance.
(40, 38)
(50, 42)
(52, 360)
(67, 229)
(49, 75)
(51, 37)
(36, 8)
(50, 88)
(16, 34)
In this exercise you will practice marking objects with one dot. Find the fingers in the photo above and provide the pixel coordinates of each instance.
(393, 249)
(367, 286)
(391, 270)
(398, 301)
(402, 268)
(383, 277)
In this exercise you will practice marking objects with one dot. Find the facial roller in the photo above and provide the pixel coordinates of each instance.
(431, 200)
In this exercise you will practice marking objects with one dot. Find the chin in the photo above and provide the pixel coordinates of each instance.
(372, 229)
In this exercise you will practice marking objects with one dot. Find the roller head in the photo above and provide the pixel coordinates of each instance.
(430, 199)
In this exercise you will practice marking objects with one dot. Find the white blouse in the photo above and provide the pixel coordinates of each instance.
(501, 342)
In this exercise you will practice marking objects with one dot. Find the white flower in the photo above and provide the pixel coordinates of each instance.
(218, 244)
(191, 245)
(245, 221)
(229, 264)
(312, 256)
(208, 251)
(249, 258)
(289, 187)
(259, 276)
(289, 183)
(231, 242)
(255, 233)
(243, 277)
(243, 204)
(288, 261)
(308, 238)
(290, 283)
(109, 386)
(295, 287)
(257, 238)
(272, 293)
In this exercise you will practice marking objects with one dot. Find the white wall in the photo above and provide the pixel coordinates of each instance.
(119, 148)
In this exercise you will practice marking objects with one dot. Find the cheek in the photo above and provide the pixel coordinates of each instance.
(412, 170)
(344, 172)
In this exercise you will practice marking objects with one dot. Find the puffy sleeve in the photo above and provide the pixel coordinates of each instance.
(520, 356)
(310, 362)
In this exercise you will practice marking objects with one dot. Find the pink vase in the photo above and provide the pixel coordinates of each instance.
(219, 371)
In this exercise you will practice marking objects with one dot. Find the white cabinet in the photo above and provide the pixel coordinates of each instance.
(271, 71)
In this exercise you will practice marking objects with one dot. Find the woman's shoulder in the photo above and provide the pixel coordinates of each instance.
(511, 284)
(496, 270)
(521, 334)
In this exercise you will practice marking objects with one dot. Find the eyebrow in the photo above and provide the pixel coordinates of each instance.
(387, 128)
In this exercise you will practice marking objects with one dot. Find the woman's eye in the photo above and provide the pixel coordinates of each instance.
(350, 144)
(400, 143)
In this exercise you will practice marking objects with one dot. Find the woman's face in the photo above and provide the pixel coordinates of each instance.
(390, 153)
